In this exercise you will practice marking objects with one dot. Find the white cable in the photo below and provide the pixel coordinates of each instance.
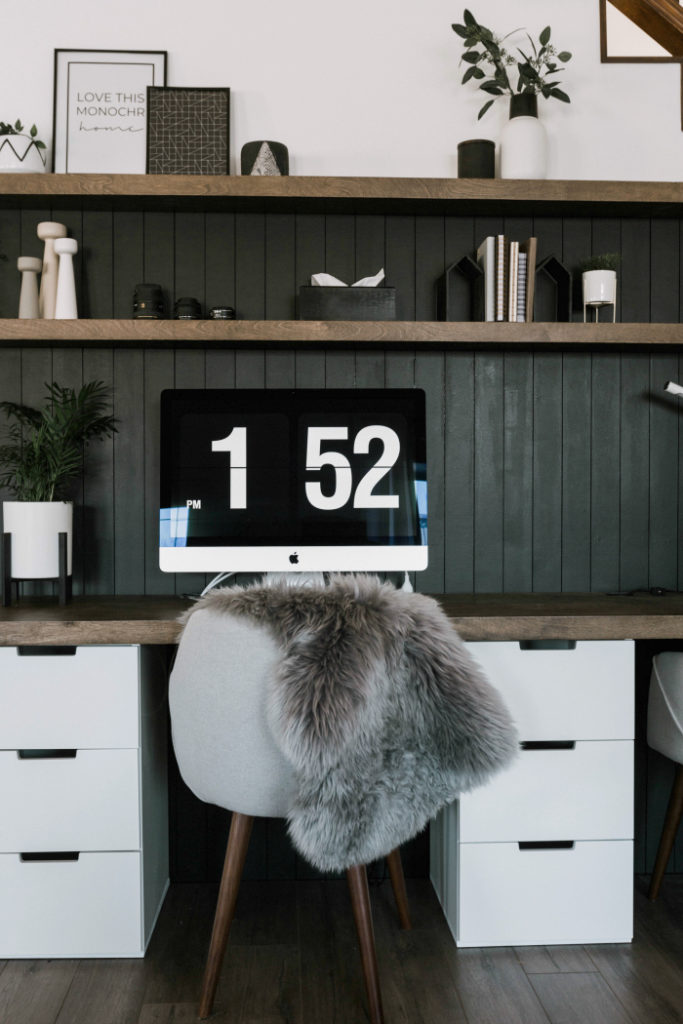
(215, 581)
(407, 585)
(673, 388)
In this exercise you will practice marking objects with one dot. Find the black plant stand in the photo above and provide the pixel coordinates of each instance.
(64, 580)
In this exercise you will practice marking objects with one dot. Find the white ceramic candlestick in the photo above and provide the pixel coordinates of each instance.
(48, 231)
(29, 267)
(65, 305)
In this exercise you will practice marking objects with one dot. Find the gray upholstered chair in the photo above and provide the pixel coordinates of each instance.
(350, 708)
(227, 756)
(665, 734)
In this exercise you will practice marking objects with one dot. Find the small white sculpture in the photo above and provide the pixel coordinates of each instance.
(48, 231)
(29, 267)
(65, 305)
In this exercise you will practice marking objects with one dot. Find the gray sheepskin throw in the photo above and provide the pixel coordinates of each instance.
(378, 706)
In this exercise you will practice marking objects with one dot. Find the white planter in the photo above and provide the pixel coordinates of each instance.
(35, 527)
(599, 289)
(19, 153)
(523, 141)
(523, 149)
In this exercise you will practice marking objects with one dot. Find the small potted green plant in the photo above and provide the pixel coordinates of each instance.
(40, 455)
(21, 150)
(599, 281)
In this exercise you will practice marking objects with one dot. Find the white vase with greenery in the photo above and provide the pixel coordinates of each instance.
(40, 455)
(531, 73)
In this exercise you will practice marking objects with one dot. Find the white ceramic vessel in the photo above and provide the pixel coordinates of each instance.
(35, 527)
(65, 302)
(48, 231)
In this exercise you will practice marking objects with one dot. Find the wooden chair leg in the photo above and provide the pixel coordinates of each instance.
(398, 884)
(238, 841)
(674, 813)
(360, 901)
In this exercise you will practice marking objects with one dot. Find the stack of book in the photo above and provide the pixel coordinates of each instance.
(507, 289)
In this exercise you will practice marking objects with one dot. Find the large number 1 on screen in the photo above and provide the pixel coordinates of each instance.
(236, 444)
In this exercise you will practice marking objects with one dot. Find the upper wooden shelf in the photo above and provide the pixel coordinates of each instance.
(329, 333)
(293, 192)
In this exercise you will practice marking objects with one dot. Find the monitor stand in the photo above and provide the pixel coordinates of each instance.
(294, 579)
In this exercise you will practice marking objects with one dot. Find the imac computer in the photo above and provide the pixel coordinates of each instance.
(278, 480)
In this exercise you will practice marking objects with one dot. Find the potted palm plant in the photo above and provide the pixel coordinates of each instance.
(40, 455)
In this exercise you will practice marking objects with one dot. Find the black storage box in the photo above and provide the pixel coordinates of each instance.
(321, 302)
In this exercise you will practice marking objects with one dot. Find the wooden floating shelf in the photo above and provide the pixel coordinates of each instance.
(328, 333)
(294, 191)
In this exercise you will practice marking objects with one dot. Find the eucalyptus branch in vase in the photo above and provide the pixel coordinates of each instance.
(499, 72)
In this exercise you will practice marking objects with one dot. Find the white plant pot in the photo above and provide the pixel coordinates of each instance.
(35, 527)
(599, 287)
(19, 154)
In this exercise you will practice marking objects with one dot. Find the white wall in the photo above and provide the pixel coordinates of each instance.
(365, 87)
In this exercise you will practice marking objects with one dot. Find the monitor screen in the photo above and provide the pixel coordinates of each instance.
(293, 480)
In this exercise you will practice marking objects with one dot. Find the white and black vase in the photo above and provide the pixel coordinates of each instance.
(523, 142)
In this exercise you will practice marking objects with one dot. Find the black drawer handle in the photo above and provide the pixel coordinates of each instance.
(39, 651)
(44, 755)
(548, 745)
(549, 844)
(30, 858)
(547, 645)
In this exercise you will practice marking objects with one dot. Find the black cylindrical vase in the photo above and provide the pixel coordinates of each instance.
(477, 158)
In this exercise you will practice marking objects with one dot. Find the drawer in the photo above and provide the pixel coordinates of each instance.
(513, 897)
(86, 802)
(88, 907)
(585, 792)
(581, 694)
(88, 699)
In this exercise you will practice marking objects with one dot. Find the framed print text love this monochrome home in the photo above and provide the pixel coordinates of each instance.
(100, 109)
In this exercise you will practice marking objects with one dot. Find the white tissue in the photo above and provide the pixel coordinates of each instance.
(365, 282)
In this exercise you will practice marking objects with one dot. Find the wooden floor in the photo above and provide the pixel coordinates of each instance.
(292, 959)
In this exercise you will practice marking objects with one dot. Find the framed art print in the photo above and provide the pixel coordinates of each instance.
(100, 109)
(188, 131)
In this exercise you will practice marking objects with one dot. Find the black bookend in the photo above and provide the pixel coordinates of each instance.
(553, 298)
(457, 291)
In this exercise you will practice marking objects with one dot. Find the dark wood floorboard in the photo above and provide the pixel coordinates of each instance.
(293, 959)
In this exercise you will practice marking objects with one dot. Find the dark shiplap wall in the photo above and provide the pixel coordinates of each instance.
(548, 471)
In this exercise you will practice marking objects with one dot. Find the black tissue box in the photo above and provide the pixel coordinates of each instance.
(331, 302)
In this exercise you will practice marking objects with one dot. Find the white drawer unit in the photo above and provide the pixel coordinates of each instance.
(83, 800)
(544, 853)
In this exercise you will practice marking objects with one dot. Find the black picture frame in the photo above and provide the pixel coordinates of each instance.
(188, 130)
(99, 109)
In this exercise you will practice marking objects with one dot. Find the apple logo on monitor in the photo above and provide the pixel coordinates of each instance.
(294, 558)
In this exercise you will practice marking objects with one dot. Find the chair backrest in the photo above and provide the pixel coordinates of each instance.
(665, 705)
(217, 699)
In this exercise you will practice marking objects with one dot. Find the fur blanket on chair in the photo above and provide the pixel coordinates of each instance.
(378, 706)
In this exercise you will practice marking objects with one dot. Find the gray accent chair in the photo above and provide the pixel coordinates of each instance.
(227, 756)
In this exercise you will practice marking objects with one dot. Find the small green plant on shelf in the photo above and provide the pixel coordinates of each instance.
(601, 261)
(44, 448)
(492, 66)
(18, 129)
